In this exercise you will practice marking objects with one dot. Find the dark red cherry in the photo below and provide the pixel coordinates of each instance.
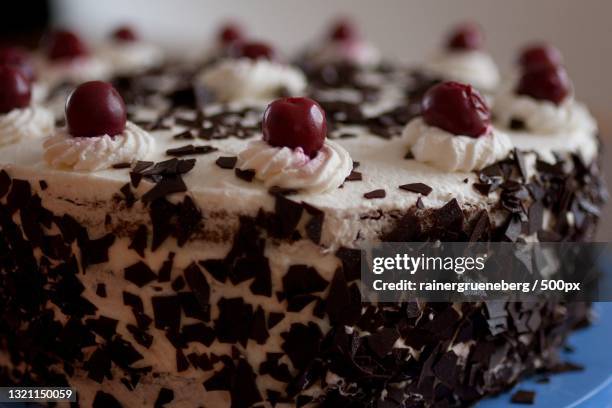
(15, 89)
(255, 50)
(546, 83)
(538, 55)
(95, 108)
(456, 108)
(343, 30)
(230, 33)
(18, 58)
(295, 122)
(467, 36)
(125, 33)
(64, 44)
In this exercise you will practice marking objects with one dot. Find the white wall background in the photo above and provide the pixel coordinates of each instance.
(406, 29)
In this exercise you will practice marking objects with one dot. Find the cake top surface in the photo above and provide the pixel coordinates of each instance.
(212, 113)
(381, 162)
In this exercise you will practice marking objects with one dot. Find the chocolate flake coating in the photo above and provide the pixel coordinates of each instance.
(567, 187)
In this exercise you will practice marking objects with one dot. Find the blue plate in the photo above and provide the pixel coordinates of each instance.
(591, 388)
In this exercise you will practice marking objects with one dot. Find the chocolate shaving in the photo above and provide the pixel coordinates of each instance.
(105, 400)
(520, 162)
(375, 194)
(275, 190)
(418, 188)
(190, 150)
(101, 290)
(198, 284)
(167, 312)
(354, 176)
(139, 240)
(186, 135)
(246, 175)
(139, 274)
(163, 188)
(226, 162)
(164, 397)
(302, 279)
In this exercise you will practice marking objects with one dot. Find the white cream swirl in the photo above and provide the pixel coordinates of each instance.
(357, 52)
(247, 80)
(542, 117)
(287, 168)
(132, 57)
(448, 152)
(97, 153)
(476, 68)
(40, 92)
(81, 69)
(33, 122)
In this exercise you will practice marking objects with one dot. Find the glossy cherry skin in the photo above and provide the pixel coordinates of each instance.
(456, 108)
(230, 33)
(295, 122)
(65, 45)
(125, 33)
(546, 83)
(343, 30)
(254, 50)
(15, 91)
(539, 55)
(18, 58)
(94, 109)
(466, 37)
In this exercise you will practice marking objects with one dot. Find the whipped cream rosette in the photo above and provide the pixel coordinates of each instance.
(98, 135)
(464, 60)
(343, 45)
(128, 53)
(252, 75)
(455, 132)
(20, 119)
(294, 153)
